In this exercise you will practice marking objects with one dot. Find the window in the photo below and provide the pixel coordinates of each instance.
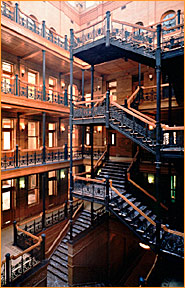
(113, 139)
(139, 31)
(52, 134)
(88, 136)
(32, 80)
(7, 74)
(7, 134)
(33, 135)
(112, 85)
(173, 188)
(52, 183)
(7, 186)
(167, 21)
(151, 178)
(52, 87)
(33, 191)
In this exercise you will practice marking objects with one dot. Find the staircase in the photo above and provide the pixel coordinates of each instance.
(133, 128)
(140, 226)
(57, 274)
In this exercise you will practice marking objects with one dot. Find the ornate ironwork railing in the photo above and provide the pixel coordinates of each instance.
(18, 16)
(15, 266)
(85, 112)
(90, 33)
(173, 137)
(134, 33)
(14, 86)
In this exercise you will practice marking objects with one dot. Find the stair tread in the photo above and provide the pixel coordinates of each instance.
(58, 273)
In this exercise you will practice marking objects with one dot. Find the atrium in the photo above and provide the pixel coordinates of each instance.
(92, 143)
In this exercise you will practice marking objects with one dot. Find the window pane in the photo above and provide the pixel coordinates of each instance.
(51, 82)
(7, 67)
(87, 139)
(51, 174)
(32, 143)
(7, 183)
(32, 181)
(50, 139)
(50, 187)
(31, 128)
(7, 123)
(33, 196)
(6, 140)
(31, 78)
(113, 139)
(51, 126)
(6, 200)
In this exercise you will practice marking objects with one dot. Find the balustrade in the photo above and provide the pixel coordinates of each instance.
(15, 14)
(15, 86)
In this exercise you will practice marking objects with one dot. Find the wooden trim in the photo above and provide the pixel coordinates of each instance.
(134, 25)
(19, 101)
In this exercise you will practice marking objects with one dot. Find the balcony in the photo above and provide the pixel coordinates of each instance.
(16, 15)
(17, 87)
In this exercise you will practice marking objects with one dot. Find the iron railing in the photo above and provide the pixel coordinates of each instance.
(17, 87)
(15, 14)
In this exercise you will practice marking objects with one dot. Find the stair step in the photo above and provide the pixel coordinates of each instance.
(53, 270)
(60, 255)
(62, 249)
(63, 264)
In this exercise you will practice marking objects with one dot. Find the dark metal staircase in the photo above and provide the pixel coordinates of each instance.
(57, 274)
(134, 210)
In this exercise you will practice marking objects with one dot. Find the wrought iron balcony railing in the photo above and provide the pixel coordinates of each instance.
(15, 86)
(16, 15)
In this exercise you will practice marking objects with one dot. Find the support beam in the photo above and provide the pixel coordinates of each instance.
(43, 200)
(44, 73)
(158, 134)
(44, 137)
(83, 127)
(71, 133)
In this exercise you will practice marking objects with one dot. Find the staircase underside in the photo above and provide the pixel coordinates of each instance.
(96, 52)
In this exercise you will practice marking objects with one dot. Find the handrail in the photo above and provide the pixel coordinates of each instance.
(88, 179)
(165, 20)
(134, 25)
(131, 98)
(89, 101)
(145, 192)
(85, 173)
(174, 27)
(176, 128)
(134, 159)
(155, 86)
(63, 230)
(172, 231)
(131, 204)
(100, 158)
(133, 114)
(29, 220)
(143, 115)
(78, 31)
(136, 185)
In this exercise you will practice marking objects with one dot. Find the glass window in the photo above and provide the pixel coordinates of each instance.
(33, 135)
(33, 191)
(168, 23)
(173, 188)
(7, 134)
(52, 134)
(5, 200)
(112, 86)
(52, 183)
(32, 80)
(113, 139)
(7, 67)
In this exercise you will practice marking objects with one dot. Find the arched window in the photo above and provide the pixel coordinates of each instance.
(168, 19)
(52, 30)
(32, 23)
(33, 17)
(139, 31)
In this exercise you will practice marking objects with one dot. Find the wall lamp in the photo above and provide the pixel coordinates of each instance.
(99, 129)
(22, 125)
(62, 128)
(22, 72)
(150, 77)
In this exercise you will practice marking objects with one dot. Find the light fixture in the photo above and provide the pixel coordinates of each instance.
(21, 183)
(99, 129)
(151, 127)
(22, 125)
(62, 84)
(62, 128)
(22, 72)
(151, 178)
(62, 174)
(98, 87)
(144, 246)
(150, 76)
